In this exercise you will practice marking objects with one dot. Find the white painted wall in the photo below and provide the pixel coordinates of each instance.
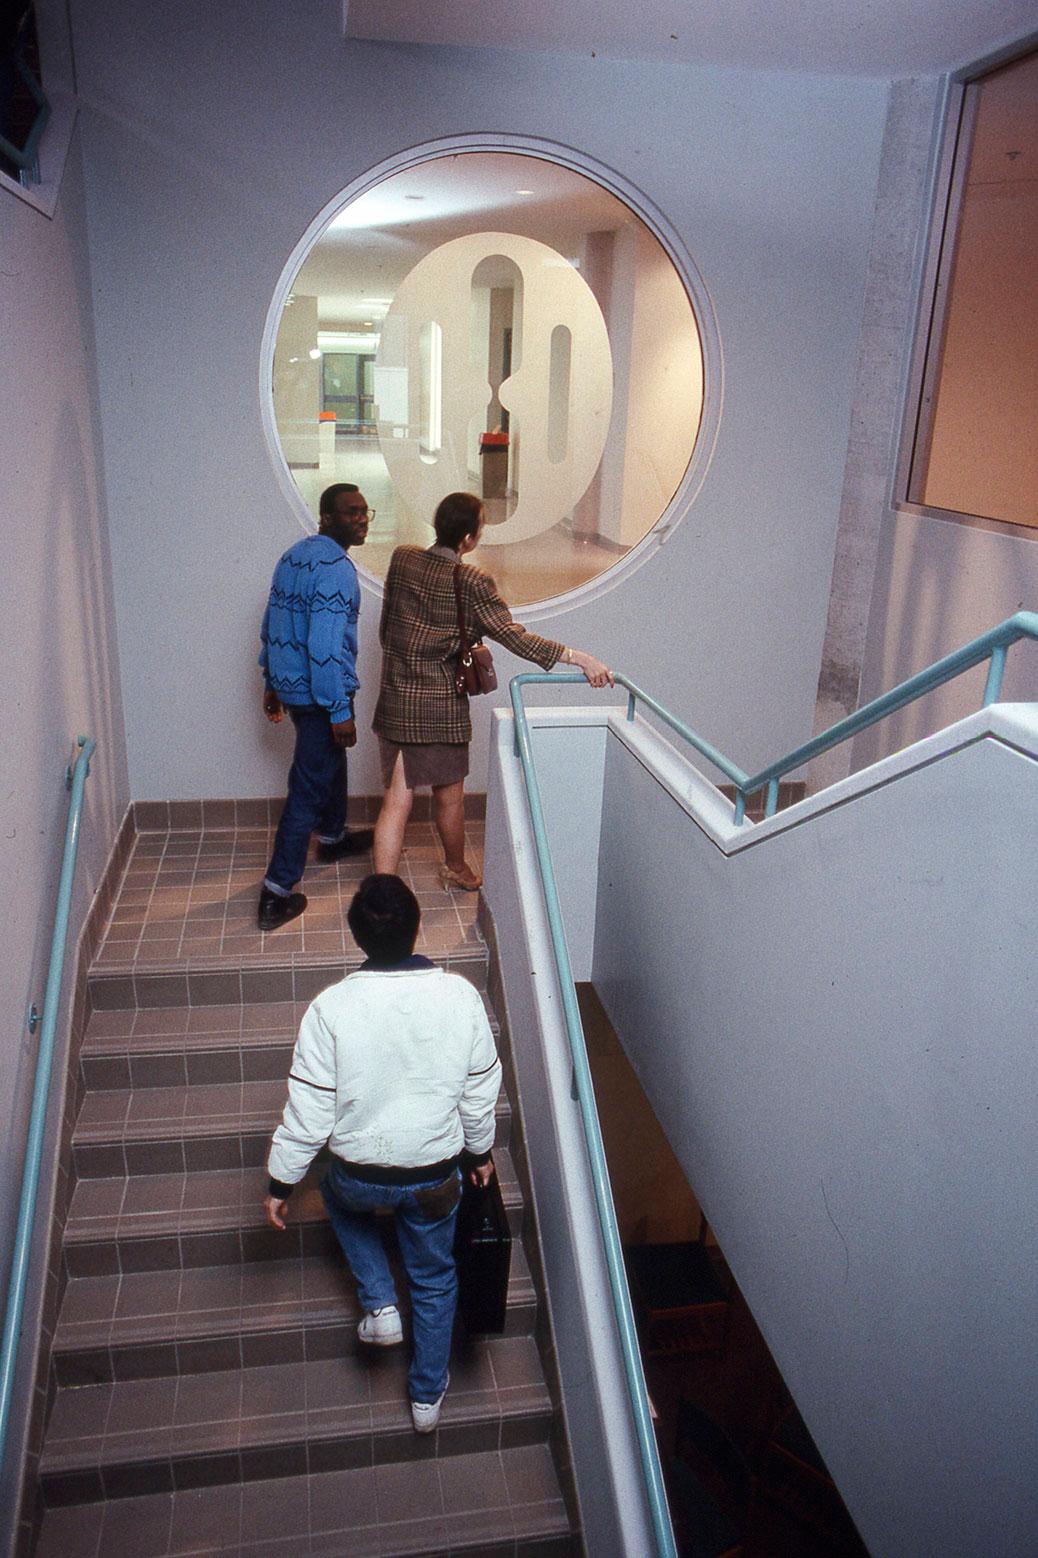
(56, 641)
(571, 766)
(196, 198)
(599, 1420)
(835, 1028)
(832, 1016)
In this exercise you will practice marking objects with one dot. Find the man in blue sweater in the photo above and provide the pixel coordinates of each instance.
(309, 661)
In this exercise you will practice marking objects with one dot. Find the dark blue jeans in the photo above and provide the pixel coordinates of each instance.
(316, 801)
(426, 1238)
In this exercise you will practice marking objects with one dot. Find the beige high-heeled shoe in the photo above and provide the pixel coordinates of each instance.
(467, 879)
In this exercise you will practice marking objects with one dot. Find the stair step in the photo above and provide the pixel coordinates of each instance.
(215, 1317)
(196, 1045)
(157, 1222)
(209, 1393)
(461, 1503)
(170, 1130)
(278, 1419)
(197, 983)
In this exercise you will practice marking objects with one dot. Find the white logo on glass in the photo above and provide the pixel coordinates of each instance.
(433, 383)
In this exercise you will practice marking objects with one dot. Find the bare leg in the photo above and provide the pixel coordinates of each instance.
(392, 820)
(449, 815)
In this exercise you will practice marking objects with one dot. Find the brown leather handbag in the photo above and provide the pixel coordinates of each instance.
(474, 672)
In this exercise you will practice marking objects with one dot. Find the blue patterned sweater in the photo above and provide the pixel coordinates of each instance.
(309, 632)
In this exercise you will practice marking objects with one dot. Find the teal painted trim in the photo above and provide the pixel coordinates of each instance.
(652, 1471)
(993, 643)
(996, 670)
(636, 694)
(75, 780)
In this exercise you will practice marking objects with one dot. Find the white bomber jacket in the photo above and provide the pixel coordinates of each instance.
(392, 1068)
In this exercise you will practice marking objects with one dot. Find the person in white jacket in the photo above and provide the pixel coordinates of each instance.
(395, 1068)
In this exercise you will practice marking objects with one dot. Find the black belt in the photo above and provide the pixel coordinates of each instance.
(387, 1174)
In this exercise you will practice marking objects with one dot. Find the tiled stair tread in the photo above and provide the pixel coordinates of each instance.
(175, 1417)
(147, 1113)
(463, 1502)
(208, 1390)
(465, 946)
(206, 1201)
(147, 1029)
(200, 1109)
(152, 1307)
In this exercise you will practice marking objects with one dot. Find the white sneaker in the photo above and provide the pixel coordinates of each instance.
(382, 1327)
(426, 1414)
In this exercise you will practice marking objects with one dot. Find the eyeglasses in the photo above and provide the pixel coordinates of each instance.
(353, 513)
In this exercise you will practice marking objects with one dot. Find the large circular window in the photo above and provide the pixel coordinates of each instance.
(499, 323)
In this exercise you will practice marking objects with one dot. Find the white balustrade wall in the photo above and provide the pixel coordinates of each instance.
(832, 1016)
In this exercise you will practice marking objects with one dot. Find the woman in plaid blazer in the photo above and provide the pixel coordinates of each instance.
(421, 720)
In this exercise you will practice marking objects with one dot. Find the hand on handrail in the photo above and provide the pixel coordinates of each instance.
(595, 671)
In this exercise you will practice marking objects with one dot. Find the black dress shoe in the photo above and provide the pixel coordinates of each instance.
(275, 910)
(356, 843)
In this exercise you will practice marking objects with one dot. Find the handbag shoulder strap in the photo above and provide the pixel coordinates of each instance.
(465, 646)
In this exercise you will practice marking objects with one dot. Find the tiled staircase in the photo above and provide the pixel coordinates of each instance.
(211, 1395)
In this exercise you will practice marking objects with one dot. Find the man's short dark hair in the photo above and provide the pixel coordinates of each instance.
(329, 495)
(458, 516)
(384, 918)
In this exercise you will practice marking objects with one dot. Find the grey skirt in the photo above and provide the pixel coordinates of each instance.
(428, 762)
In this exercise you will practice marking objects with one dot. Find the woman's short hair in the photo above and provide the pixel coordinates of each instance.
(458, 516)
(383, 917)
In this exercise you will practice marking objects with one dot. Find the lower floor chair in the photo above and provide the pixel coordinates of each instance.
(710, 1487)
(793, 1478)
(680, 1301)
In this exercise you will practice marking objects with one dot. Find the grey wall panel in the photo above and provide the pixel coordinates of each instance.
(836, 1029)
(58, 651)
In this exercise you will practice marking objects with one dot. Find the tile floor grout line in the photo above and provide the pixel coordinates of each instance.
(321, 937)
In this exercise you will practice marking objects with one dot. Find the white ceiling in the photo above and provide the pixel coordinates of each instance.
(367, 250)
(858, 37)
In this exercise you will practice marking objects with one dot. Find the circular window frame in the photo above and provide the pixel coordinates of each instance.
(691, 482)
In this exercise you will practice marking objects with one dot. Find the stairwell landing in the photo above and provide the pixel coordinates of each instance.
(208, 1392)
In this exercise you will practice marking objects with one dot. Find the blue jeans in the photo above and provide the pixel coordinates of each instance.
(426, 1238)
(316, 800)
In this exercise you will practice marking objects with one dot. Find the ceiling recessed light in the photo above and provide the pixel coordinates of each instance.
(524, 191)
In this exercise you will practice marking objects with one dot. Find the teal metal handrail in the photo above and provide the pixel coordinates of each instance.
(993, 645)
(75, 780)
(649, 1454)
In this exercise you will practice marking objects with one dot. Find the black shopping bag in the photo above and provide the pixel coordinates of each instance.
(483, 1252)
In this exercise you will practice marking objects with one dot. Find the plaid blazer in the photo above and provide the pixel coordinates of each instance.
(417, 701)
